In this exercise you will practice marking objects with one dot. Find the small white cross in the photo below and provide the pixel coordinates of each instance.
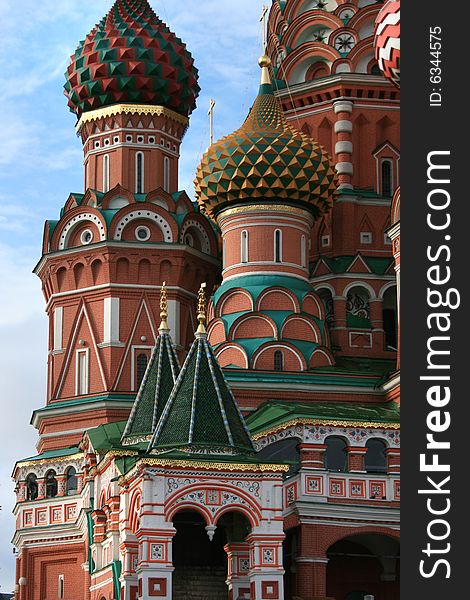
(211, 120)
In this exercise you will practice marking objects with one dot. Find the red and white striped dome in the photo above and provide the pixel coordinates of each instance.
(387, 41)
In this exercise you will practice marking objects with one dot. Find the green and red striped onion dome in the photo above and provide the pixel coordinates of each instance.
(266, 160)
(131, 57)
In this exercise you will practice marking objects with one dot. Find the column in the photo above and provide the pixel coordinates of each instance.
(356, 459)
(344, 146)
(312, 456)
(238, 560)
(339, 333)
(266, 570)
(155, 564)
(393, 461)
(376, 323)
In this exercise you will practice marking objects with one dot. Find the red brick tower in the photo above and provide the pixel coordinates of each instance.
(331, 87)
(132, 86)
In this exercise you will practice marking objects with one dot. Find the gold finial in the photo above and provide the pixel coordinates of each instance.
(265, 62)
(201, 309)
(163, 309)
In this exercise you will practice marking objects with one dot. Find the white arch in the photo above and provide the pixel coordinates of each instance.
(145, 214)
(70, 226)
(280, 347)
(325, 286)
(386, 287)
(203, 237)
(256, 316)
(272, 291)
(166, 174)
(303, 320)
(360, 284)
(234, 292)
(139, 181)
(231, 347)
(106, 173)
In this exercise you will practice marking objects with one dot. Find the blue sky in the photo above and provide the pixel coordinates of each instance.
(41, 163)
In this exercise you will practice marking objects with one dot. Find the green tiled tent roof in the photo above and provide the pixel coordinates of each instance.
(161, 374)
(275, 414)
(201, 414)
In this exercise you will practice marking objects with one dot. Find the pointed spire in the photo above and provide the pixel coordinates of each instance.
(201, 310)
(201, 415)
(160, 376)
(163, 309)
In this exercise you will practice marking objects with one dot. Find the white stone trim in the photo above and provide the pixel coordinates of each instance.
(144, 214)
(344, 168)
(344, 147)
(343, 106)
(111, 320)
(75, 221)
(343, 126)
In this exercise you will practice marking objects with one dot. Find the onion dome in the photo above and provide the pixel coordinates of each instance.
(387, 41)
(202, 415)
(131, 57)
(160, 376)
(266, 159)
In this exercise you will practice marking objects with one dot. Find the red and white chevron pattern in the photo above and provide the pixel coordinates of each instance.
(387, 41)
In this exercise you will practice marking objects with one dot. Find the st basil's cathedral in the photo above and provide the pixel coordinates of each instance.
(222, 414)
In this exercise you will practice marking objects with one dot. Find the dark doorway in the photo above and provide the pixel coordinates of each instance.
(200, 564)
(364, 564)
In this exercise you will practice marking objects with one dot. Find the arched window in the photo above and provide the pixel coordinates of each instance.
(376, 457)
(278, 246)
(389, 319)
(31, 487)
(335, 454)
(358, 307)
(244, 246)
(166, 174)
(278, 360)
(139, 173)
(106, 173)
(142, 361)
(223, 253)
(286, 450)
(71, 481)
(386, 178)
(303, 251)
(51, 484)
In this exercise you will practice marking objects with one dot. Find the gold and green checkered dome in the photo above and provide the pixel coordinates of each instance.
(266, 159)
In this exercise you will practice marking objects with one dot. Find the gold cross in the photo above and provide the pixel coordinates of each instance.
(263, 21)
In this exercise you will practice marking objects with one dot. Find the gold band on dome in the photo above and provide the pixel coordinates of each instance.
(285, 208)
(130, 109)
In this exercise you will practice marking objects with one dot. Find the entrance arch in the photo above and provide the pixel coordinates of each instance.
(364, 564)
(200, 564)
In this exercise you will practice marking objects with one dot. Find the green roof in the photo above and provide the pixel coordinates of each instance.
(274, 414)
(51, 454)
(106, 437)
(201, 412)
(341, 264)
(256, 284)
(159, 379)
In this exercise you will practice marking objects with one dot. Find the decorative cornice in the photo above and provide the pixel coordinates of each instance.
(41, 461)
(206, 465)
(130, 109)
(326, 423)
